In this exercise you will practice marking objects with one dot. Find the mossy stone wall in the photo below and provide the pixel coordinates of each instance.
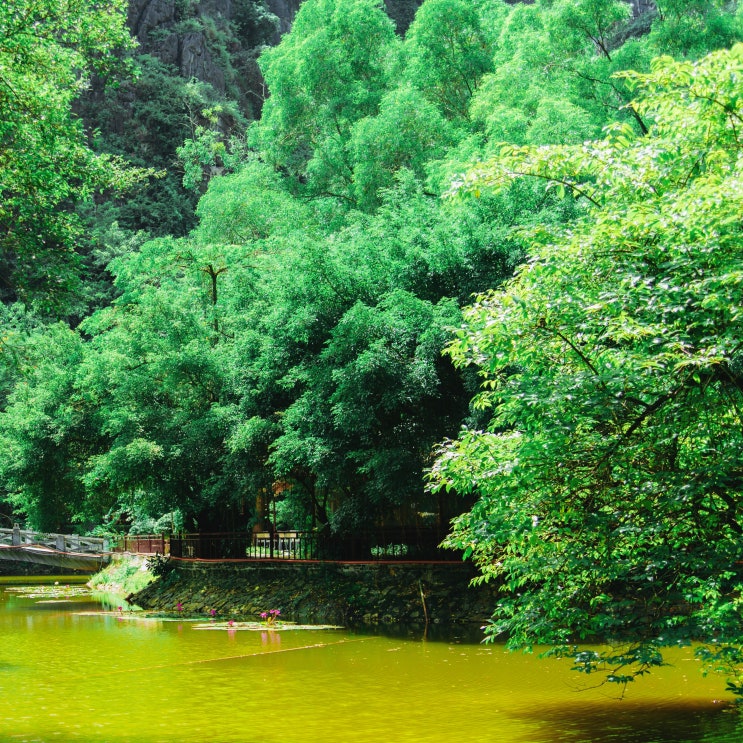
(347, 594)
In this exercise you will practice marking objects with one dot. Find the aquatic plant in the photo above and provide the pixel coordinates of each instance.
(269, 617)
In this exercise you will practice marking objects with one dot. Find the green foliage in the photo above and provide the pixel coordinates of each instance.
(447, 53)
(156, 373)
(609, 477)
(408, 133)
(159, 565)
(145, 120)
(692, 27)
(16, 323)
(248, 206)
(327, 73)
(127, 575)
(571, 24)
(46, 164)
(370, 402)
(45, 434)
(107, 241)
(210, 151)
(255, 24)
(553, 78)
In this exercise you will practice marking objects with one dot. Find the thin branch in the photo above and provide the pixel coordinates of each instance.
(553, 179)
(542, 326)
(649, 410)
(623, 103)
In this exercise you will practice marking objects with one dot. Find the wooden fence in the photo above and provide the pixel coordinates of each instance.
(145, 544)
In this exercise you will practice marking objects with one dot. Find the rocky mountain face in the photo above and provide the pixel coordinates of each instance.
(155, 24)
(214, 41)
(642, 6)
(284, 10)
(186, 35)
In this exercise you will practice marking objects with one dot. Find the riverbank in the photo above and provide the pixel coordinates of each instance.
(124, 575)
(348, 594)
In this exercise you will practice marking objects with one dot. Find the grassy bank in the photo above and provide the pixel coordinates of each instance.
(124, 575)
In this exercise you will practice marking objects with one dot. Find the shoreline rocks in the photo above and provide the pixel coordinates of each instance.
(348, 594)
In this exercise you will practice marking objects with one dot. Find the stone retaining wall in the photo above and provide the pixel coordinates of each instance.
(348, 594)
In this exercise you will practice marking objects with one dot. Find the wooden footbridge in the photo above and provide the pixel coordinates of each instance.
(57, 550)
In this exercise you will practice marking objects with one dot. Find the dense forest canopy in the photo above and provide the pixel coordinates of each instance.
(231, 260)
(47, 56)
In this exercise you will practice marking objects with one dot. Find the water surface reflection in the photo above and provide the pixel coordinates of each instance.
(640, 722)
(71, 672)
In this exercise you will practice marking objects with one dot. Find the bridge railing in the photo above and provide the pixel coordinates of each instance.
(61, 542)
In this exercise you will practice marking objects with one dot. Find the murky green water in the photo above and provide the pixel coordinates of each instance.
(69, 672)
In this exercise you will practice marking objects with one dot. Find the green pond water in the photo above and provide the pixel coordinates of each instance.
(71, 669)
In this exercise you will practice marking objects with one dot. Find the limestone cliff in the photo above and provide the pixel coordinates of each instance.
(187, 35)
(214, 41)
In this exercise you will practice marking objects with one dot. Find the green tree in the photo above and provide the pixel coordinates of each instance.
(209, 151)
(611, 473)
(692, 27)
(372, 406)
(447, 53)
(570, 23)
(156, 372)
(554, 61)
(408, 133)
(328, 72)
(247, 207)
(343, 387)
(48, 51)
(45, 432)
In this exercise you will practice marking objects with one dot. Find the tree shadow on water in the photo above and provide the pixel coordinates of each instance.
(638, 722)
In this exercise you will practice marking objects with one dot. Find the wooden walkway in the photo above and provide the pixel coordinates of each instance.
(57, 550)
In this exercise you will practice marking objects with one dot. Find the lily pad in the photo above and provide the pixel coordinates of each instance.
(261, 627)
(50, 592)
